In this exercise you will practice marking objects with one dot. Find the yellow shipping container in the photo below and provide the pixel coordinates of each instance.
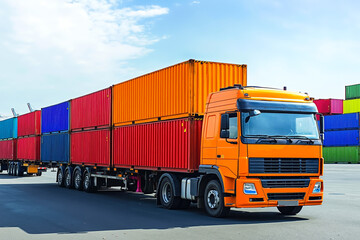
(176, 91)
(351, 106)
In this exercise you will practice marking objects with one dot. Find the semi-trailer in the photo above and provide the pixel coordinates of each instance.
(20, 145)
(194, 132)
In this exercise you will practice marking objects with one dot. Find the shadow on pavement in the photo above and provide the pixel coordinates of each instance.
(47, 208)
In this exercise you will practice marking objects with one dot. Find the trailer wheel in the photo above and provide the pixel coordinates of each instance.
(60, 177)
(289, 210)
(10, 170)
(214, 200)
(88, 184)
(78, 182)
(16, 169)
(68, 178)
(167, 197)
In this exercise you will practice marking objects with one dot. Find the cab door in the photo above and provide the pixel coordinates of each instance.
(227, 152)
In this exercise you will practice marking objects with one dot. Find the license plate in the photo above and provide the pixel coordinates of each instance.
(288, 203)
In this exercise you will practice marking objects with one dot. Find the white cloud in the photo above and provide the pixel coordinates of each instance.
(68, 46)
(195, 2)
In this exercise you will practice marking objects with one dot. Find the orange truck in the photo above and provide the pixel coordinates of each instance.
(195, 133)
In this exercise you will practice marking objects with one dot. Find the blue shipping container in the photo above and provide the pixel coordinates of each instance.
(55, 118)
(55, 147)
(342, 122)
(8, 128)
(342, 138)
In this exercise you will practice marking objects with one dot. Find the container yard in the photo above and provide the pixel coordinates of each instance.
(176, 132)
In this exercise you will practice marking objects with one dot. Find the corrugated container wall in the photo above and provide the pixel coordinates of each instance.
(8, 149)
(341, 154)
(177, 91)
(55, 148)
(55, 118)
(342, 138)
(352, 106)
(352, 91)
(168, 145)
(90, 147)
(342, 122)
(28, 148)
(329, 106)
(92, 110)
(29, 124)
(8, 128)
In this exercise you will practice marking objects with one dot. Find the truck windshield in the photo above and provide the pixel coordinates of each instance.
(279, 124)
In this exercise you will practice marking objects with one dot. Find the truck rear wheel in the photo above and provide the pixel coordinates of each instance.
(60, 177)
(214, 200)
(78, 183)
(88, 183)
(289, 210)
(68, 178)
(167, 195)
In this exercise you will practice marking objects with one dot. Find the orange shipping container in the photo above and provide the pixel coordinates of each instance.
(177, 91)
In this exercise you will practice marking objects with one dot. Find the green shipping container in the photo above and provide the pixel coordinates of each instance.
(352, 91)
(341, 154)
(351, 106)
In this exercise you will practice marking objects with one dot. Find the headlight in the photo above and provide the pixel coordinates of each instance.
(249, 188)
(317, 187)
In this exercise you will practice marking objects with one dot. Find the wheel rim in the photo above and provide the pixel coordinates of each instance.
(213, 199)
(166, 192)
(77, 180)
(60, 178)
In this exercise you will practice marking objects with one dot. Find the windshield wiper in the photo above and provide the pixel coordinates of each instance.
(263, 138)
(303, 137)
(282, 136)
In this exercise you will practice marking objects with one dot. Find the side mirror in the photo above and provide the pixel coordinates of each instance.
(322, 127)
(225, 122)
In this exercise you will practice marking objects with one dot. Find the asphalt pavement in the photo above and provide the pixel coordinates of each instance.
(34, 207)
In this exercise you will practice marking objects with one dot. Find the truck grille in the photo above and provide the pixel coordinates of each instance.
(285, 183)
(283, 165)
(286, 196)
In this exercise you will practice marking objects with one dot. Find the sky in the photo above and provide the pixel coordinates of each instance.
(52, 51)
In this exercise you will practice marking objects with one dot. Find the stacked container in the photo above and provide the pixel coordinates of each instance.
(352, 99)
(8, 135)
(55, 137)
(157, 117)
(28, 143)
(91, 129)
(342, 138)
(329, 106)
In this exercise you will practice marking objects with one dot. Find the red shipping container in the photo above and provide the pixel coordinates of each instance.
(8, 150)
(29, 124)
(92, 110)
(28, 148)
(90, 147)
(168, 145)
(329, 106)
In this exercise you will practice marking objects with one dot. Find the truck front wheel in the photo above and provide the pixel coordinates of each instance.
(289, 210)
(167, 197)
(60, 177)
(214, 200)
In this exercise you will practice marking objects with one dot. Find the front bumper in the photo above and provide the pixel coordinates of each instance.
(265, 196)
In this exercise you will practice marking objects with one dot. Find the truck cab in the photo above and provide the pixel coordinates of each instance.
(264, 148)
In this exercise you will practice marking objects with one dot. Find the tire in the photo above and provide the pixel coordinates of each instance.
(88, 183)
(289, 210)
(10, 170)
(20, 171)
(39, 173)
(68, 180)
(167, 197)
(214, 200)
(78, 181)
(16, 170)
(60, 177)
